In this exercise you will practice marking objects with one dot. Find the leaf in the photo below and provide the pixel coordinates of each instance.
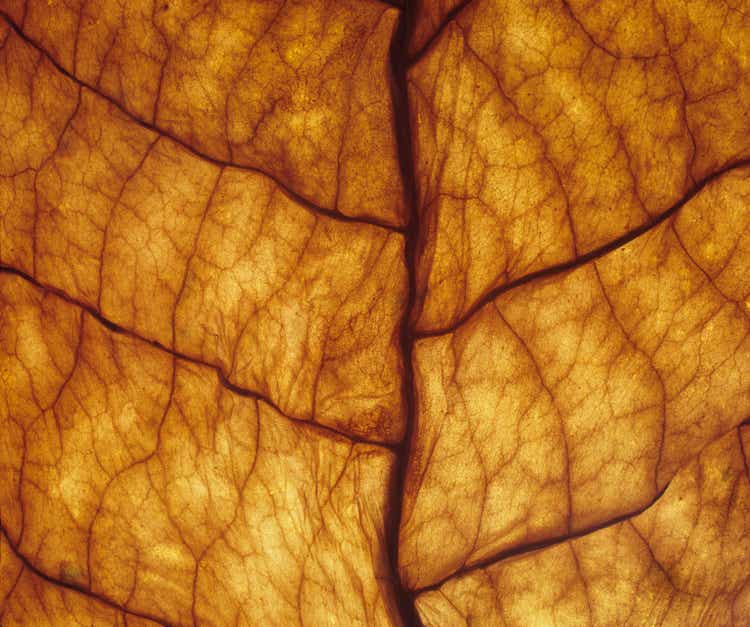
(243, 83)
(666, 565)
(528, 125)
(573, 400)
(29, 597)
(138, 477)
(351, 312)
(215, 262)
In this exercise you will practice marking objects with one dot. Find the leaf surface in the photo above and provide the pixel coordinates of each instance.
(573, 399)
(372, 312)
(541, 136)
(297, 89)
(138, 477)
(665, 566)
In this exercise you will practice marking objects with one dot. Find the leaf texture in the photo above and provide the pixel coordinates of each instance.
(138, 477)
(574, 399)
(374, 312)
(665, 566)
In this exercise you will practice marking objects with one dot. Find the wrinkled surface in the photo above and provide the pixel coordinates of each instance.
(667, 566)
(573, 399)
(214, 262)
(541, 136)
(370, 312)
(296, 88)
(140, 478)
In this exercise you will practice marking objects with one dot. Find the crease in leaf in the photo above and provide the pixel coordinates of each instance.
(368, 313)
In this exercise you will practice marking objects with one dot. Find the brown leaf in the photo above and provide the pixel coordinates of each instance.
(372, 312)
(681, 562)
(31, 598)
(573, 399)
(214, 262)
(140, 478)
(298, 89)
(536, 143)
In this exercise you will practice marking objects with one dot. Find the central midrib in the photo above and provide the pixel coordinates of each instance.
(399, 61)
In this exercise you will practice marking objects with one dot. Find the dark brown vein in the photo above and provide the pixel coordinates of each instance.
(223, 379)
(402, 116)
(592, 255)
(287, 191)
(104, 600)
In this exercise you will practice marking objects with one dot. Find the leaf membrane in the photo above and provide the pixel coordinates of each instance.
(214, 262)
(572, 400)
(666, 565)
(541, 135)
(358, 312)
(297, 89)
(141, 479)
